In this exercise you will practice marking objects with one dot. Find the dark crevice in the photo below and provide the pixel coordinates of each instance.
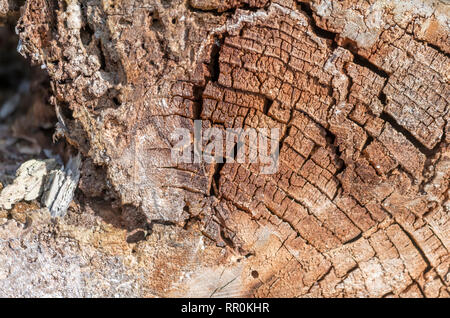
(66, 112)
(162, 222)
(331, 138)
(116, 101)
(267, 100)
(101, 56)
(285, 135)
(362, 61)
(156, 22)
(320, 279)
(287, 131)
(437, 48)
(267, 104)
(214, 73)
(431, 45)
(346, 43)
(228, 241)
(214, 12)
(198, 102)
(353, 239)
(382, 97)
(306, 8)
(420, 289)
(340, 169)
(350, 271)
(136, 236)
(432, 160)
(247, 7)
(408, 135)
(236, 148)
(418, 248)
(369, 140)
(86, 34)
(214, 186)
(402, 169)
(214, 66)
(228, 12)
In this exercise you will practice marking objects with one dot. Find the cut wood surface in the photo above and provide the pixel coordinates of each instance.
(359, 205)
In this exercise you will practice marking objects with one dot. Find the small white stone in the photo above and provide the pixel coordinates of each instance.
(28, 185)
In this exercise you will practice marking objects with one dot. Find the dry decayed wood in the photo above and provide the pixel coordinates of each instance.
(359, 205)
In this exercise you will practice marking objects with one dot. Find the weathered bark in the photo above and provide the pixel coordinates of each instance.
(359, 205)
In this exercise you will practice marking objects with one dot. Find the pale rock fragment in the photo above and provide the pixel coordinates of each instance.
(29, 182)
(43, 179)
(61, 186)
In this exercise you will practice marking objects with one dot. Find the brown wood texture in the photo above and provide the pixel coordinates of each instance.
(359, 206)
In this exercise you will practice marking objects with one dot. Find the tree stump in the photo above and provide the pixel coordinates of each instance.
(359, 91)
